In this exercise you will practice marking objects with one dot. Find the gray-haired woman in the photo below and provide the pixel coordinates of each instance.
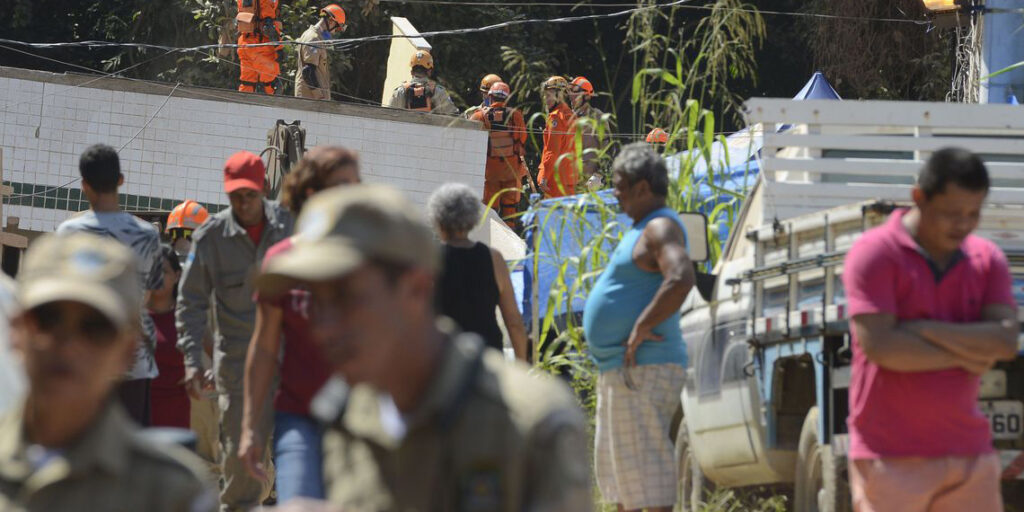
(474, 278)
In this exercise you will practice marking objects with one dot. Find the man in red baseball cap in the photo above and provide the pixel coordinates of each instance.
(226, 251)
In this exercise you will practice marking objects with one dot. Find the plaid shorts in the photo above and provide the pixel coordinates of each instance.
(635, 461)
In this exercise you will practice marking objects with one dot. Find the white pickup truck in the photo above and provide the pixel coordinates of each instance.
(765, 401)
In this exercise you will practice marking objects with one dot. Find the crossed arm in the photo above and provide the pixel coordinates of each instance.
(926, 345)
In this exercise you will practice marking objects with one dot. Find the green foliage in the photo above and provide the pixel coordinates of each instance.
(880, 60)
(733, 501)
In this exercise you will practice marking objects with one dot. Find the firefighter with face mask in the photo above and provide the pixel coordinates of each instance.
(258, 25)
(485, 87)
(557, 173)
(505, 149)
(421, 93)
(313, 79)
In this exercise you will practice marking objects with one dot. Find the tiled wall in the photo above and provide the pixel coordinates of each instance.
(44, 126)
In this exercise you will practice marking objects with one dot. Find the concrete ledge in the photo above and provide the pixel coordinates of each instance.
(225, 95)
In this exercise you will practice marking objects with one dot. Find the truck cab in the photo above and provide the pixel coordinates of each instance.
(765, 400)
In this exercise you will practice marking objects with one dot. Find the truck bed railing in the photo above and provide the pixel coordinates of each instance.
(841, 152)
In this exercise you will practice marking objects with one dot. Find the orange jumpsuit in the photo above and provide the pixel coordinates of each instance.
(503, 172)
(556, 172)
(259, 63)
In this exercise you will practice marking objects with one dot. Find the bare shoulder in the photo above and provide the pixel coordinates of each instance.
(663, 230)
(496, 256)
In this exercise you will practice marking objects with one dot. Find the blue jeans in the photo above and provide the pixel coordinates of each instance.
(298, 457)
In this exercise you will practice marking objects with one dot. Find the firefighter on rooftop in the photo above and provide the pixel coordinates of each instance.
(313, 79)
(421, 93)
(258, 25)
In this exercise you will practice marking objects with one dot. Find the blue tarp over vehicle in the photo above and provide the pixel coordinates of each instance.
(562, 234)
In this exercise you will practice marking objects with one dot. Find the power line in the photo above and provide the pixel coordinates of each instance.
(507, 4)
(472, 30)
(201, 92)
(690, 7)
(345, 42)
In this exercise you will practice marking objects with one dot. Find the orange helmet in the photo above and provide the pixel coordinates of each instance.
(421, 58)
(657, 136)
(187, 215)
(488, 81)
(335, 12)
(582, 84)
(556, 82)
(500, 90)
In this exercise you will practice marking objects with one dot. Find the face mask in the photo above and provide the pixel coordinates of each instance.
(487, 101)
(325, 34)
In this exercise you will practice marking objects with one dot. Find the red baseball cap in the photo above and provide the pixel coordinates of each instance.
(244, 170)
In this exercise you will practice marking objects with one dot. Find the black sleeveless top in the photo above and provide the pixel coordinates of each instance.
(468, 293)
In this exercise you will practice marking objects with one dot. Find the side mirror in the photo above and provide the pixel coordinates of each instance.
(696, 226)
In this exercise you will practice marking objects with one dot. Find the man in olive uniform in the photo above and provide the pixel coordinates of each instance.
(70, 445)
(588, 117)
(434, 420)
(226, 251)
(421, 93)
(313, 79)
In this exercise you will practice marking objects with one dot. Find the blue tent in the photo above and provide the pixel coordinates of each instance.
(565, 226)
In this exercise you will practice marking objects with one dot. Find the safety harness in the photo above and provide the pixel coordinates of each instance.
(250, 20)
(501, 143)
(419, 96)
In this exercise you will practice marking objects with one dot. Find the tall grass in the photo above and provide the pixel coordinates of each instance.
(675, 71)
(674, 74)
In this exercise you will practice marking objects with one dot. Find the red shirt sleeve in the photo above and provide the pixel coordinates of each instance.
(869, 278)
(999, 288)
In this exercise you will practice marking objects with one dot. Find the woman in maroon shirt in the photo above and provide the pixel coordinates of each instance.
(170, 404)
(296, 440)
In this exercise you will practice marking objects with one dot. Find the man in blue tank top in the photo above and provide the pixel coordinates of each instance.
(631, 322)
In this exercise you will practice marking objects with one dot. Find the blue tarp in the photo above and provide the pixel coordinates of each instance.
(567, 225)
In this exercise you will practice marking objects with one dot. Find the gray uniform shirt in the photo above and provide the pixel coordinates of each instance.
(487, 436)
(219, 273)
(316, 55)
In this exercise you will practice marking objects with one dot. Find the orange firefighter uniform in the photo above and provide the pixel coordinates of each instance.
(257, 23)
(505, 148)
(557, 173)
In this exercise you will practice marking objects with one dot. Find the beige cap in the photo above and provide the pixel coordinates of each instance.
(342, 227)
(81, 267)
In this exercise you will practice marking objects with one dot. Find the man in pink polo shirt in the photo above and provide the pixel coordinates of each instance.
(932, 309)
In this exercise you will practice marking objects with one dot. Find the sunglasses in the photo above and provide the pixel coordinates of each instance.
(95, 328)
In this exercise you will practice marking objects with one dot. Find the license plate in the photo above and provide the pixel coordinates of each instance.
(1005, 418)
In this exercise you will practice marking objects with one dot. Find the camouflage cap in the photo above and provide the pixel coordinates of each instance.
(86, 268)
(343, 227)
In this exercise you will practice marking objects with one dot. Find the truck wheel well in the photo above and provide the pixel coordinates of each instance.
(793, 395)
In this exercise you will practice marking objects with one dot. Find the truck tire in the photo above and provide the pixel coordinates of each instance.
(822, 482)
(693, 488)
